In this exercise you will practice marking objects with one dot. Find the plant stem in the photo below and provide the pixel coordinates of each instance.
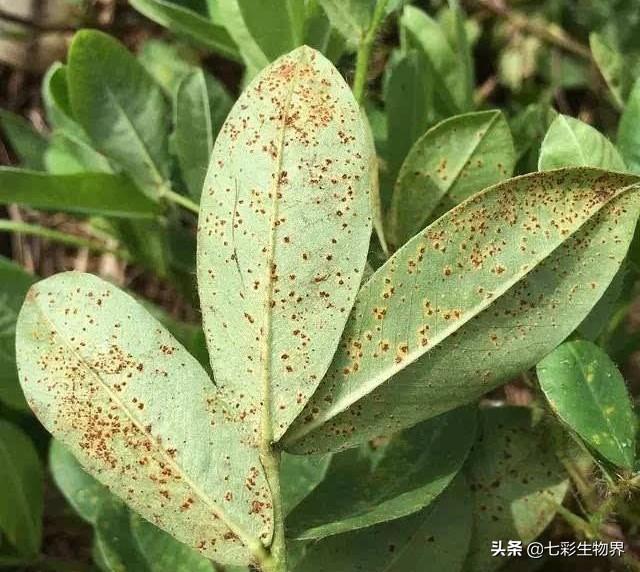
(364, 51)
(277, 561)
(549, 33)
(62, 237)
(181, 200)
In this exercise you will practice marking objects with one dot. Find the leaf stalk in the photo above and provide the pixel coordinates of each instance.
(364, 51)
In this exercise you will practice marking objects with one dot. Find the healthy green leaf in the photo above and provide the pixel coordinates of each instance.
(201, 105)
(276, 25)
(15, 283)
(163, 553)
(483, 293)
(22, 490)
(618, 72)
(350, 17)
(516, 483)
(55, 96)
(284, 231)
(121, 108)
(299, 475)
(409, 107)
(529, 127)
(168, 63)
(88, 193)
(423, 33)
(27, 143)
(84, 493)
(70, 154)
(450, 162)
(115, 542)
(252, 55)
(628, 132)
(142, 416)
(587, 391)
(183, 21)
(571, 143)
(438, 535)
(365, 487)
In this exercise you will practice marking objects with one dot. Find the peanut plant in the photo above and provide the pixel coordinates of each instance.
(360, 311)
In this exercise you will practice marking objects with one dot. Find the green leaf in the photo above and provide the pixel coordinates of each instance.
(423, 33)
(365, 487)
(276, 25)
(163, 553)
(200, 109)
(283, 237)
(70, 154)
(587, 392)
(119, 551)
(88, 193)
(121, 108)
(571, 143)
(529, 127)
(168, 63)
(299, 475)
(27, 143)
(483, 293)
(438, 535)
(450, 162)
(350, 17)
(628, 136)
(22, 490)
(120, 392)
(252, 55)
(55, 96)
(409, 108)
(618, 71)
(516, 483)
(186, 22)
(84, 493)
(15, 283)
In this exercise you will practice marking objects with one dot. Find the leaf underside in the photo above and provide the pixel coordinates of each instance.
(483, 293)
(141, 415)
(283, 236)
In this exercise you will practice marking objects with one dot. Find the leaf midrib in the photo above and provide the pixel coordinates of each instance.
(158, 178)
(392, 369)
(267, 374)
(247, 539)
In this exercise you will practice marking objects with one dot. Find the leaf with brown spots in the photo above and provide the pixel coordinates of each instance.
(142, 416)
(483, 293)
(453, 160)
(283, 235)
(513, 498)
(436, 538)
